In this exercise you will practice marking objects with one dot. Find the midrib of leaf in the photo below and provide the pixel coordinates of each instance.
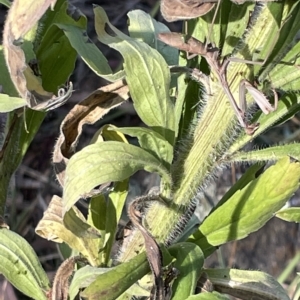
(212, 137)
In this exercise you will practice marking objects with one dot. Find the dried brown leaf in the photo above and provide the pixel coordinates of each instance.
(60, 287)
(154, 254)
(21, 18)
(175, 10)
(89, 111)
(78, 234)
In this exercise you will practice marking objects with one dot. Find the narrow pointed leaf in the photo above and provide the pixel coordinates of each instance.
(113, 283)
(189, 262)
(21, 266)
(285, 43)
(83, 278)
(88, 51)
(251, 207)
(143, 27)
(276, 152)
(75, 222)
(291, 214)
(288, 106)
(8, 103)
(251, 174)
(97, 218)
(116, 202)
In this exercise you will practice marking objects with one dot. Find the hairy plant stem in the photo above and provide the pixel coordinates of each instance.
(213, 135)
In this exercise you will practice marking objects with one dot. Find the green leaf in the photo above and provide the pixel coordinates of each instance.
(144, 28)
(284, 50)
(109, 133)
(88, 51)
(8, 104)
(116, 201)
(288, 106)
(105, 162)
(55, 55)
(291, 214)
(21, 266)
(64, 13)
(117, 280)
(289, 103)
(7, 3)
(83, 278)
(105, 212)
(251, 207)
(97, 218)
(292, 102)
(152, 142)
(135, 290)
(228, 28)
(6, 84)
(270, 49)
(147, 76)
(286, 78)
(187, 104)
(276, 152)
(244, 284)
(251, 174)
(16, 147)
(75, 222)
(189, 262)
(56, 59)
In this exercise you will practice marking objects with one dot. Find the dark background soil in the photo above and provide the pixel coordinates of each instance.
(270, 249)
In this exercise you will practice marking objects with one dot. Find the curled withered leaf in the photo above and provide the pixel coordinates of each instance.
(73, 230)
(60, 286)
(154, 254)
(23, 15)
(52, 225)
(175, 10)
(21, 18)
(89, 111)
(52, 215)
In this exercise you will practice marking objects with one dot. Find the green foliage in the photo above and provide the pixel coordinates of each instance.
(98, 169)
(21, 266)
(233, 220)
(148, 83)
(184, 144)
(189, 262)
